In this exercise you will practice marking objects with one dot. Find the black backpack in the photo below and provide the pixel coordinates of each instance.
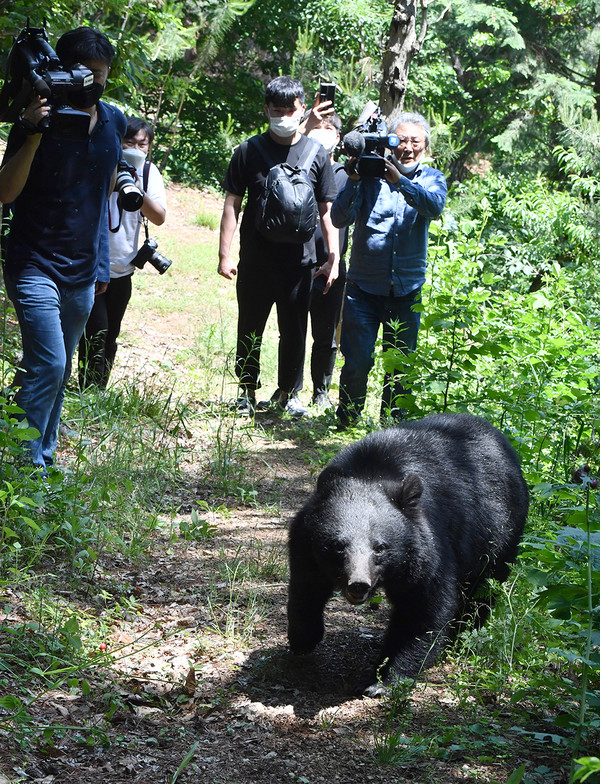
(288, 210)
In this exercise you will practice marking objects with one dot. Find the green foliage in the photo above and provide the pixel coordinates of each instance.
(197, 529)
(509, 331)
(588, 767)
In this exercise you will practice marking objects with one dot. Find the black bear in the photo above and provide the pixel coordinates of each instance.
(427, 510)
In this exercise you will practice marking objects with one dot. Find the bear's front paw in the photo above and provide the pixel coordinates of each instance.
(377, 689)
(302, 647)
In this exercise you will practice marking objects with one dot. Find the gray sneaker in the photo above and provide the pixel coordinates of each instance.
(321, 401)
(293, 407)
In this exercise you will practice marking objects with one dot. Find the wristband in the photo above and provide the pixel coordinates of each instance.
(27, 127)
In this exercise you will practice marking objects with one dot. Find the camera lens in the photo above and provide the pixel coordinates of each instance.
(130, 196)
(160, 263)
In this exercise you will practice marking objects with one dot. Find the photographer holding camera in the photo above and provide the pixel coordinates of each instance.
(98, 346)
(57, 182)
(387, 261)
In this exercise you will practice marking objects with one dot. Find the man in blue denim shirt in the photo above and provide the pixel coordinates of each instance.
(387, 262)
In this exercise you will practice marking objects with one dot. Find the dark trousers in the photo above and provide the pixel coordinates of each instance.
(98, 345)
(260, 285)
(363, 316)
(325, 311)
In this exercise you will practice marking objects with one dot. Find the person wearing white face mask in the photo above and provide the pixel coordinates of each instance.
(98, 345)
(387, 262)
(274, 272)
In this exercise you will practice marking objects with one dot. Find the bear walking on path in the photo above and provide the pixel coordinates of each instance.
(427, 510)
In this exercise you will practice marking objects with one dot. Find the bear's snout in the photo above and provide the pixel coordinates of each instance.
(358, 592)
(362, 575)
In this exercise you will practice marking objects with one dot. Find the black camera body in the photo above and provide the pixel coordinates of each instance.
(33, 68)
(149, 253)
(368, 143)
(130, 197)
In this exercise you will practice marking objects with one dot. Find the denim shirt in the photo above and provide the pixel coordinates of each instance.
(389, 244)
(59, 224)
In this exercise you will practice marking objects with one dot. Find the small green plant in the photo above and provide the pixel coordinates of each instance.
(236, 614)
(197, 529)
(207, 220)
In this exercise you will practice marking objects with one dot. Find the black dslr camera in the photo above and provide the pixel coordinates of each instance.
(33, 68)
(130, 197)
(367, 143)
(149, 253)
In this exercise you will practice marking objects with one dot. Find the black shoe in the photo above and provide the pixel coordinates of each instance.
(345, 420)
(273, 402)
(244, 406)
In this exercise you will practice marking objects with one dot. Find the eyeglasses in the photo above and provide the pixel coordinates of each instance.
(412, 140)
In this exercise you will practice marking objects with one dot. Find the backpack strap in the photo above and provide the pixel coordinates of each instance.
(258, 144)
(310, 153)
(304, 162)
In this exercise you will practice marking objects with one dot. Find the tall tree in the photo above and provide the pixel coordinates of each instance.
(404, 42)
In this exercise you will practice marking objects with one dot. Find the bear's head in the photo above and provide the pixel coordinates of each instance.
(362, 529)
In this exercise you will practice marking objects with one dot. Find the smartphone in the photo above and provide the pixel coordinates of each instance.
(327, 92)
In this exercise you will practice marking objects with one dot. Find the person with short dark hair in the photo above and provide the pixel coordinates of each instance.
(56, 252)
(98, 345)
(274, 273)
(391, 217)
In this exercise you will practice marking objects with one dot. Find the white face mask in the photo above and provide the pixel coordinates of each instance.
(134, 156)
(285, 126)
(406, 168)
(325, 137)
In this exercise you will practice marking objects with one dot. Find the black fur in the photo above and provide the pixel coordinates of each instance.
(427, 510)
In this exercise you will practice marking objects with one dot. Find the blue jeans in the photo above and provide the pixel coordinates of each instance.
(363, 314)
(51, 318)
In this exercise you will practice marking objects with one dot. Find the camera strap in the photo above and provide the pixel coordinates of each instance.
(145, 177)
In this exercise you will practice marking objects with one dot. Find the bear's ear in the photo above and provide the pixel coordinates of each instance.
(407, 496)
(328, 476)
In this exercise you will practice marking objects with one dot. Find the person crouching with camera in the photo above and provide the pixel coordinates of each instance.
(98, 346)
(55, 186)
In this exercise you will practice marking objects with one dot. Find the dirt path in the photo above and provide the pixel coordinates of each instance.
(200, 660)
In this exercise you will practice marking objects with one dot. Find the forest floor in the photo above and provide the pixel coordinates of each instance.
(195, 684)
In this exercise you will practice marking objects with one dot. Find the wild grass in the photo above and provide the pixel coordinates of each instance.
(527, 361)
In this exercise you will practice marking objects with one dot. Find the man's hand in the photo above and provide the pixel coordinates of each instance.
(101, 287)
(318, 113)
(15, 171)
(331, 270)
(36, 111)
(227, 268)
(392, 174)
(350, 169)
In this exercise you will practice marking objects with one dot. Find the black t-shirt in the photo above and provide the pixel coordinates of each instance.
(246, 176)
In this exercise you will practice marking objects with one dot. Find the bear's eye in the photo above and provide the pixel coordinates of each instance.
(379, 547)
(336, 547)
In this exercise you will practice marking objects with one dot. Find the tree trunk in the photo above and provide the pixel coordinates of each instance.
(403, 44)
(597, 88)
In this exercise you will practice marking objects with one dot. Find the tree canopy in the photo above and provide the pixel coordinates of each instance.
(494, 77)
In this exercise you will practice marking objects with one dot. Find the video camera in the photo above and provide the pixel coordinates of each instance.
(33, 68)
(368, 142)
